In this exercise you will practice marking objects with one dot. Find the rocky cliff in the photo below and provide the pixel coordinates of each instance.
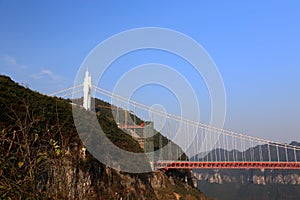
(249, 176)
(93, 180)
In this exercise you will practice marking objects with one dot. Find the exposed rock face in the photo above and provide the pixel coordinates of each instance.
(86, 178)
(255, 177)
(97, 181)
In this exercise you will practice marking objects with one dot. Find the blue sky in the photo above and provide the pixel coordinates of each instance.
(255, 45)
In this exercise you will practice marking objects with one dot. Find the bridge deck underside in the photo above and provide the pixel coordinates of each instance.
(227, 165)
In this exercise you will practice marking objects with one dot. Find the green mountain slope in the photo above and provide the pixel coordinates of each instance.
(42, 157)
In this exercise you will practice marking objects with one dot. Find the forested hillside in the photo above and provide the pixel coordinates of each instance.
(42, 157)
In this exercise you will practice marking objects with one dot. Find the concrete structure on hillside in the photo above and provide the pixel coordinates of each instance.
(144, 136)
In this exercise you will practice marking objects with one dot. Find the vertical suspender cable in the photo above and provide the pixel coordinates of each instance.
(251, 150)
(219, 146)
(269, 152)
(233, 148)
(295, 154)
(224, 146)
(277, 151)
(260, 152)
(214, 147)
(286, 153)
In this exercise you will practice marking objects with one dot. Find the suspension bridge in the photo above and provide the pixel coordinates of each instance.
(190, 144)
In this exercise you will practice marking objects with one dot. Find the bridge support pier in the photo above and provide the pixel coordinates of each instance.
(148, 134)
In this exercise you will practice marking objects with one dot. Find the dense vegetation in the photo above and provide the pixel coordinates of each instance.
(31, 138)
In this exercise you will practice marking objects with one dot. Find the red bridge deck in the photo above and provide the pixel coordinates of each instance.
(227, 165)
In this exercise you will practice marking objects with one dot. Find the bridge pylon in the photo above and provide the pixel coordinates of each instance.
(87, 91)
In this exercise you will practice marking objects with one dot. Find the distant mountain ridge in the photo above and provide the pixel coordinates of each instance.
(245, 155)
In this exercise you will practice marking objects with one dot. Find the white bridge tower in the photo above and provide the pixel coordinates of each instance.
(87, 91)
